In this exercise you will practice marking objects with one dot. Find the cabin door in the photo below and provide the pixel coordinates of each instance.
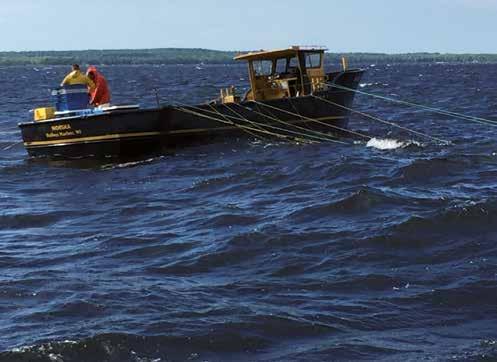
(306, 82)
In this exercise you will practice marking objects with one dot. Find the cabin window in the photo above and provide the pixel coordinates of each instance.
(280, 66)
(293, 63)
(313, 60)
(263, 67)
(292, 66)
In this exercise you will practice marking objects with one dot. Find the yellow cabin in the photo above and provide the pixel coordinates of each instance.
(291, 72)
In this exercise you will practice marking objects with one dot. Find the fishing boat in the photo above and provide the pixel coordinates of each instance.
(290, 96)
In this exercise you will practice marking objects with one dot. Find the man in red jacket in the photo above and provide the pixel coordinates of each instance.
(100, 95)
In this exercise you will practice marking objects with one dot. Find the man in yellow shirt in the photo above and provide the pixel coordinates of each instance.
(76, 77)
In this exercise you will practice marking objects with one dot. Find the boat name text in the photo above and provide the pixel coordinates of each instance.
(76, 132)
(61, 127)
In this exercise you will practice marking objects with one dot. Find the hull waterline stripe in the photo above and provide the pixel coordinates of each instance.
(109, 137)
(119, 136)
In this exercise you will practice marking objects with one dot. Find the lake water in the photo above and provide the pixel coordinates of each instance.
(256, 250)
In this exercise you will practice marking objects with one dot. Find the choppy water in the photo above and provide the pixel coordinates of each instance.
(254, 251)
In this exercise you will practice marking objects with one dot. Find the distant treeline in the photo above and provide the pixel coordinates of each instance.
(195, 56)
(366, 58)
(124, 56)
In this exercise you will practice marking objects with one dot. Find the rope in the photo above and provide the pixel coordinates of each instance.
(277, 128)
(324, 135)
(222, 115)
(258, 125)
(382, 121)
(250, 128)
(11, 145)
(277, 120)
(320, 136)
(220, 120)
(315, 120)
(480, 120)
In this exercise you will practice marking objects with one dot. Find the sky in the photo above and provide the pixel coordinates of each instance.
(386, 26)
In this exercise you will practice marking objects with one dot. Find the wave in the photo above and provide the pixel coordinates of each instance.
(449, 225)
(154, 251)
(131, 163)
(480, 294)
(359, 201)
(136, 348)
(75, 310)
(391, 144)
(236, 346)
(238, 250)
(20, 221)
(348, 352)
(423, 170)
(228, 341)
(373, 84)
(229, 220)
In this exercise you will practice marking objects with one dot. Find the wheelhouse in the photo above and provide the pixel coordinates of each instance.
(291, 72)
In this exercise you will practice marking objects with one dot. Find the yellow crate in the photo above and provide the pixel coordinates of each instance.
(45, 113)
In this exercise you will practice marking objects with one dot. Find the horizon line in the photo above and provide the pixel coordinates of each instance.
(242, 51)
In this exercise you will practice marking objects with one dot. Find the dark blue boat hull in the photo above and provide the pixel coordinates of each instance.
(133, 132)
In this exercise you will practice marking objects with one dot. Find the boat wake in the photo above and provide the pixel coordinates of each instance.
(373, 84)
(391, 144)
(113, 166)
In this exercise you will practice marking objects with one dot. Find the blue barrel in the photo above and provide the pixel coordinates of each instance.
(71, 97)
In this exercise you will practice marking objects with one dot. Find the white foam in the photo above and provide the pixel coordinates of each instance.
(386, 143)
(114, 166)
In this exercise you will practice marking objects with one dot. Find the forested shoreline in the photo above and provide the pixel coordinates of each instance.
(206, 56)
